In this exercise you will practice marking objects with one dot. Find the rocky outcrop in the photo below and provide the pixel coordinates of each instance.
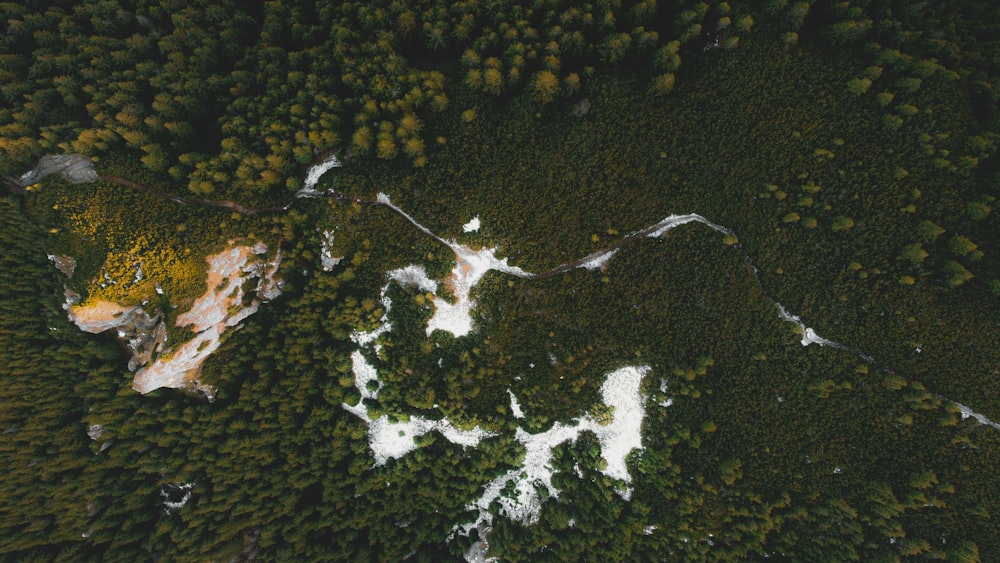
(223, 306)
(74, 168)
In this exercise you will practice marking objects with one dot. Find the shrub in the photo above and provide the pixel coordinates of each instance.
(955, 274)
(858, 86)
(842, 224)
(929, 231)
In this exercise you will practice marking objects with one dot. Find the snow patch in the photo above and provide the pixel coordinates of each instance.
(617, 438)
(599, 260)
(313, 175)
(477, 553)
(394, 439)
(672, 221)
(390, 439)
(470, 267)
(415, 276)
(171, 490)
(515, 407)
(472, 225)
(663, 389)
(982, 419)
(364, 373)
(409, 276)
(809, 335)
(326, 257)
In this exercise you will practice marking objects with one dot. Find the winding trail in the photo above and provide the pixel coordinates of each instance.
(462, 252)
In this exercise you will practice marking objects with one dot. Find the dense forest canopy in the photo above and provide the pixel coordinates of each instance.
(842, 156)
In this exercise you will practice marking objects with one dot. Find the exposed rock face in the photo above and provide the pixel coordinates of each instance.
(74, 168)
(223, 306)
(65, 264)
(144, 336)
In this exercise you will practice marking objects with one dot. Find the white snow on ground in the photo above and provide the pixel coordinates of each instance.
(809, 335)
(967, 412)
(409, 276)
(364, 372)
(366, 338)
(392, 440)
(415, 276)
(477, 553)
(313, 175)
(176, 488)
(599, 260)
(387, 439)
(674, 220)
(663, 389)
(515, 407)
(472, 225)
(623, 434)
(326, 257)
(209, 317)
(470, 267)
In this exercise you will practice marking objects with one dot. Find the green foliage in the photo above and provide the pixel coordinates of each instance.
(961, 246)
(955, 274)
(858, 86)
(913, 253)
(842, 224)
(928, 231)
(765, 446)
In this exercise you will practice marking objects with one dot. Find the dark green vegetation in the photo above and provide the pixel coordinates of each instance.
(849, 145)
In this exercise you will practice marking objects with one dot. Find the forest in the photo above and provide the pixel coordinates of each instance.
(845, 152)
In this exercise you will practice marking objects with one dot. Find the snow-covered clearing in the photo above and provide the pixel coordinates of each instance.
(472, 225)
(313, 175)
(515, 407)
(393, 439)
(326, 257)
(617, 438)
(470, 267)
